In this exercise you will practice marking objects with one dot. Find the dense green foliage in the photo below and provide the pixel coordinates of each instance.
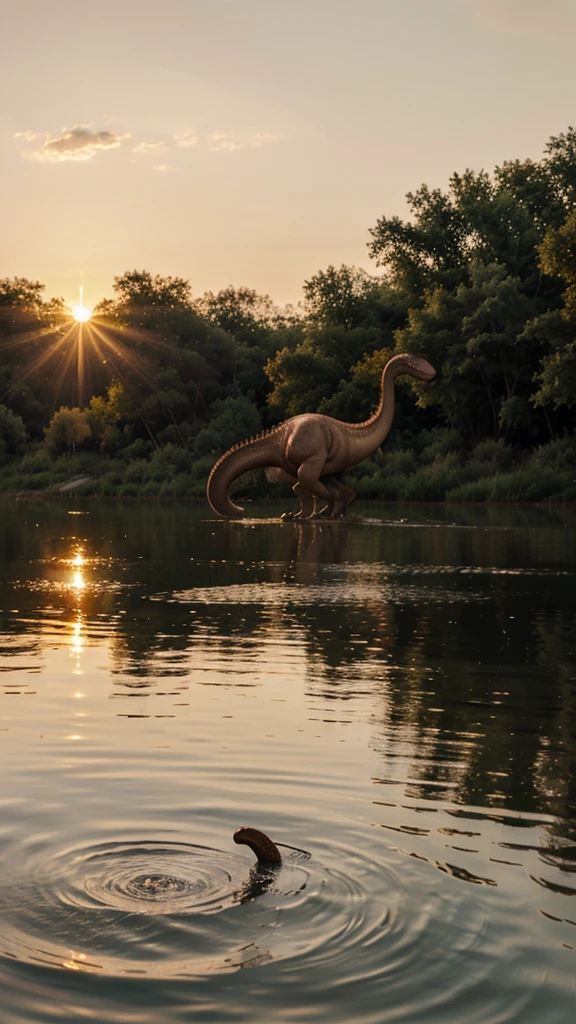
(482, 279)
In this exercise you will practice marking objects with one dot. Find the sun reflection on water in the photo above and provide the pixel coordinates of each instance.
(77, 643)
(78, 581)
(78, 635)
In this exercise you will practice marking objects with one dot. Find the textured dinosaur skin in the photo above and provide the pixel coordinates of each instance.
(307, 449)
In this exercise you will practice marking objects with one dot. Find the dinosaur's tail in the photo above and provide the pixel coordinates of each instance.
(259, 451)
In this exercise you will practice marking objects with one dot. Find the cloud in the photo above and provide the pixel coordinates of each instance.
(82, 143)
(78, 143)
(219, 142)
(149, 147)
(163, 168)
(32, 136)
(186, 139)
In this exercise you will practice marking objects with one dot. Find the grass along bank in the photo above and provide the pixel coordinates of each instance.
(435, 471)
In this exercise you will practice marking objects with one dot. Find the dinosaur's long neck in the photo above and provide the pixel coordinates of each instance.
(366, 437)
(259, 451)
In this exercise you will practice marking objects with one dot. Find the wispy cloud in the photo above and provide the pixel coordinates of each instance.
(32, 136)
(149, 147)
(219, 142)
(78, 143)
(83, 142)
(186, 139)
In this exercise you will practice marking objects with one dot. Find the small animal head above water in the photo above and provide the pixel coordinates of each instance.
(266, 851)
(416, 365)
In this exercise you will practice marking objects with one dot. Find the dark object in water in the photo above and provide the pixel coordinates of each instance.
(266, 851)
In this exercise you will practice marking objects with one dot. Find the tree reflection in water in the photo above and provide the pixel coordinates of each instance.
(464, 634)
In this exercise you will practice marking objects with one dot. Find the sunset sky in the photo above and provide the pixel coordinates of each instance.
(253, 142)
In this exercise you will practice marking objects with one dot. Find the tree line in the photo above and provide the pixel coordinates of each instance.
(481, 278)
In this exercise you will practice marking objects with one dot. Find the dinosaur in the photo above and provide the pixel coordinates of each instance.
(308, 449)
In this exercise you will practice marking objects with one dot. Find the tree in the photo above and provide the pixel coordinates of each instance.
(560, 162)
(349, 316)
(300, 379)
(558, 258)
(557, 375)
(105, 412)
(67, 429)
(138, 288)
(22, 305)
(172, 362)
(474, 336)
(356, 397)
(557, 372)
(12, 433)
(233, 420)
(346, 297)
(259, 329)
(481, 218)
(29, 327)
(483, 265)
(19, 291)
(241, 312)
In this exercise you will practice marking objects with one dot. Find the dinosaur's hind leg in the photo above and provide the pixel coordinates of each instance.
(341, 496)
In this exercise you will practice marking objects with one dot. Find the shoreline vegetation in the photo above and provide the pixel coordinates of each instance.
(493, 473)
(143, 398)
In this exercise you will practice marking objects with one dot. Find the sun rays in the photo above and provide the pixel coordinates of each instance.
(82, 345)
(80, 312)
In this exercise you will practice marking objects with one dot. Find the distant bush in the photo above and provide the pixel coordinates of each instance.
(559, 454)
(139, 449)
(35, 461)
(532, 483)
(167, 461)
(493, 455)
(438, 442)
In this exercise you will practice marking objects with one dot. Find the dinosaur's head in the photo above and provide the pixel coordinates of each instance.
(417, 366)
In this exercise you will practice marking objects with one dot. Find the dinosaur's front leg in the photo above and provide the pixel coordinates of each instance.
(306, 498)
(310, 488)
(307, 502)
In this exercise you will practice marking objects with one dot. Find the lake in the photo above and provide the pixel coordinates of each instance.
(391, 698)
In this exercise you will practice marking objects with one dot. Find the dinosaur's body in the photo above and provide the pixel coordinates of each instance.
(309, 448)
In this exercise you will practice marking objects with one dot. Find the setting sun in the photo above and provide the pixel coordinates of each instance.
(81, 313)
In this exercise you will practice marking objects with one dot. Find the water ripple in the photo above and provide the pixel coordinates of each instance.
(167, 909)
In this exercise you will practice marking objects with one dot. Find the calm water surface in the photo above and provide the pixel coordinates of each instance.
(392, 697)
